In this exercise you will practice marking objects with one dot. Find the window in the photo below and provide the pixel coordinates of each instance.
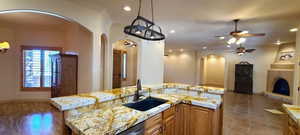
(124, 65)
(36, 67)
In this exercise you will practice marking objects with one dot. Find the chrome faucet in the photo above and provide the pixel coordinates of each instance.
(137, 92)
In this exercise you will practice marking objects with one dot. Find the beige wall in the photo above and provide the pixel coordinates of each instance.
(151, 63)
(180, 67)
(214, 70)
(262, 58)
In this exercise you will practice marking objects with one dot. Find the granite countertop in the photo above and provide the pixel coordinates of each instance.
(85, 99)
(114, 118)
(293, 111)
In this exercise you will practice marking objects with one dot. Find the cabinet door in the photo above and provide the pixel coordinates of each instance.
(169, 126)
(200, 123)
(179, 120)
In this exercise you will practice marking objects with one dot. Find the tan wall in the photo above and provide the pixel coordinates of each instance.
(79, 41)
(214, 70)
(10, 62)
(180, 67)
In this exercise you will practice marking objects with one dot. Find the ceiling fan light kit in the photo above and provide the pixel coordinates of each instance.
(144, 28)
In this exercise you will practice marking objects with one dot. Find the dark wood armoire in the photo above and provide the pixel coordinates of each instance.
(243, 78)
(64, 68)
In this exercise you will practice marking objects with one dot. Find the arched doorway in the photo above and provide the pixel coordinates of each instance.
(103, 62)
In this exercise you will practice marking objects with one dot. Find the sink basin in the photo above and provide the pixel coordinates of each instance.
(146, 104)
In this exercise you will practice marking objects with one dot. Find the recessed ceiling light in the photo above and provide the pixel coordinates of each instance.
(204, 47)
(181, 50)
(221, 37)
(294, 30)
(278, 42)
(172, 31)
(127, 8)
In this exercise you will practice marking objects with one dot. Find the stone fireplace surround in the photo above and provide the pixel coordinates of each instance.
(281, 70)
(277, 71)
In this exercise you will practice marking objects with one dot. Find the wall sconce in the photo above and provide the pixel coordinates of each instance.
(4, 46)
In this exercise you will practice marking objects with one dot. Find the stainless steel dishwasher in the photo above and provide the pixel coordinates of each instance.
(136, 130)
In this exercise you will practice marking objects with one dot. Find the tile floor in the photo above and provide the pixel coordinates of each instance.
(243, 115)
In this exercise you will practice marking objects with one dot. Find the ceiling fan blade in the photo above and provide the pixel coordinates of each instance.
(251, 34)
(250, 50)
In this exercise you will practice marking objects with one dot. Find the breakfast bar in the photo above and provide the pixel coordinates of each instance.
(172, 109)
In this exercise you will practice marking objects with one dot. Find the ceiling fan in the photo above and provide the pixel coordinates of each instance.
(239, 36)
(242, 50)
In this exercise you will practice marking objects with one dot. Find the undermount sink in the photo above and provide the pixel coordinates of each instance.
(146, 104)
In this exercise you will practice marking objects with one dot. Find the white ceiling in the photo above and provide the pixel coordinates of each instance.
(197, 22)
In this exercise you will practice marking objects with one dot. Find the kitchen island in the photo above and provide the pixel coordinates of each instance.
(189, 110)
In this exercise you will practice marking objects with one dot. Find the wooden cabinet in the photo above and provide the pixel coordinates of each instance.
(153, 126)
(195, 120)
(204, 121)
(64, 69)
(200, 118)
(169, 121)
(292, 127)
(184, 119)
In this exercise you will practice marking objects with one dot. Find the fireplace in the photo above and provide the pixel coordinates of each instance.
(281, 87)
(280, 77)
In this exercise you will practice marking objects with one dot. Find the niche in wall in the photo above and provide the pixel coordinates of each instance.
(213, 70)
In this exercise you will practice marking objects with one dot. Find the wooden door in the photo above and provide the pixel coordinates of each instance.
(117, 68)
(200, 123)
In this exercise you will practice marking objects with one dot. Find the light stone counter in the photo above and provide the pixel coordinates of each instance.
(112, 118)
(293, 111)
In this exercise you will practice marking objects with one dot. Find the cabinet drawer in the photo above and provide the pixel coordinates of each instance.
(153, 121)
(155, 130)
(169, 112)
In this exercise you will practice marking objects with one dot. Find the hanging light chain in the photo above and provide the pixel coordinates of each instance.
(140, 5)
(152, 10)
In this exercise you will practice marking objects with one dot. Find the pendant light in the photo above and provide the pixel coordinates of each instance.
(144, 28)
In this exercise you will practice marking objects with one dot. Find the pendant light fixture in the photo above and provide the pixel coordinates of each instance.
(144, 28)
